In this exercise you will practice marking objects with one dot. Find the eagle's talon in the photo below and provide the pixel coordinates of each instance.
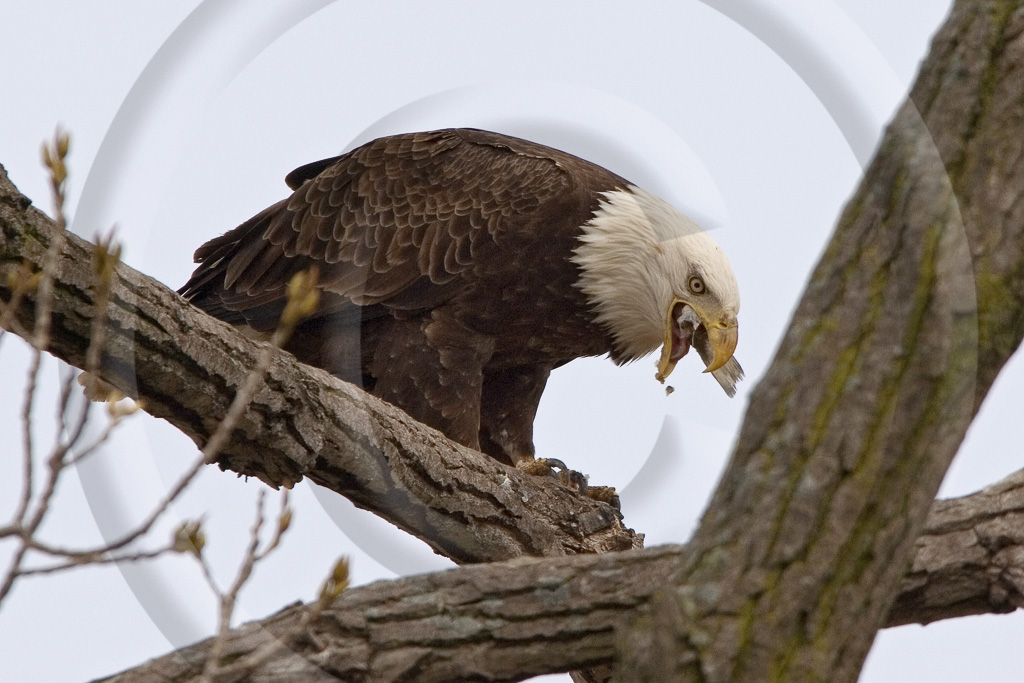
(537, 468)
(552, 463)
(574, 479)
(605, 494)
(546, 467)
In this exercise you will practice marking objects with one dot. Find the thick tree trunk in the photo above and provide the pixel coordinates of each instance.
(913, 309)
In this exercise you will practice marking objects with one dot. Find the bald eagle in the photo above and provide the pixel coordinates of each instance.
(458, 267)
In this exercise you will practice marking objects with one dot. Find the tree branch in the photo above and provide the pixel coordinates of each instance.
(970, 558)
(503, 621)
(544, 616)
(187, 367)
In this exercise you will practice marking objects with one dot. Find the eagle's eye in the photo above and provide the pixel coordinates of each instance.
(696, 285)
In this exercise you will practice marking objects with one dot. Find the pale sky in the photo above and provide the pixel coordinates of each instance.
(754, 117)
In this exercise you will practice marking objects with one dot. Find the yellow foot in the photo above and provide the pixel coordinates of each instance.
(545, 467)
(605, 494)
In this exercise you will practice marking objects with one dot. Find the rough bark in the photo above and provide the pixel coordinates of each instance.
(511, 620)
(969, 560)
(186, 366)
(499, 622)
(916, 304)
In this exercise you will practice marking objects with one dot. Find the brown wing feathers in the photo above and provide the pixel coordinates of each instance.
(376, 221)
(406, 221)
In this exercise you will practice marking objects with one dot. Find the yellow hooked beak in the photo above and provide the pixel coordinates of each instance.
(722, 338)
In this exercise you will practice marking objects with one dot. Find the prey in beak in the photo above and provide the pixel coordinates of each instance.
(715, 342)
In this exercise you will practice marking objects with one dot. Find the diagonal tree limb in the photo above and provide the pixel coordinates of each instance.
(187, 366)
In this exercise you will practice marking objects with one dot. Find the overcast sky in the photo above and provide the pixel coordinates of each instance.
(754, 117)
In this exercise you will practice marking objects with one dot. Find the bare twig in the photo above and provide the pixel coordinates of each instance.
(32, 509)
(53, 157)
(229, 598)
(292, 640)
(284, 521)
(97, 558)
(301, 291)
(27, 446)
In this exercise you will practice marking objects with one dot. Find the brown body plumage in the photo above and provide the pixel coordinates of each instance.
(443, 260)
(446, 266)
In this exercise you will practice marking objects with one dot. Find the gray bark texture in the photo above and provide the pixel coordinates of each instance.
(914, 307)
(818, 534)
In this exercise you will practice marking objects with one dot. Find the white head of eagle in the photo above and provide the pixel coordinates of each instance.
(655, 278)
